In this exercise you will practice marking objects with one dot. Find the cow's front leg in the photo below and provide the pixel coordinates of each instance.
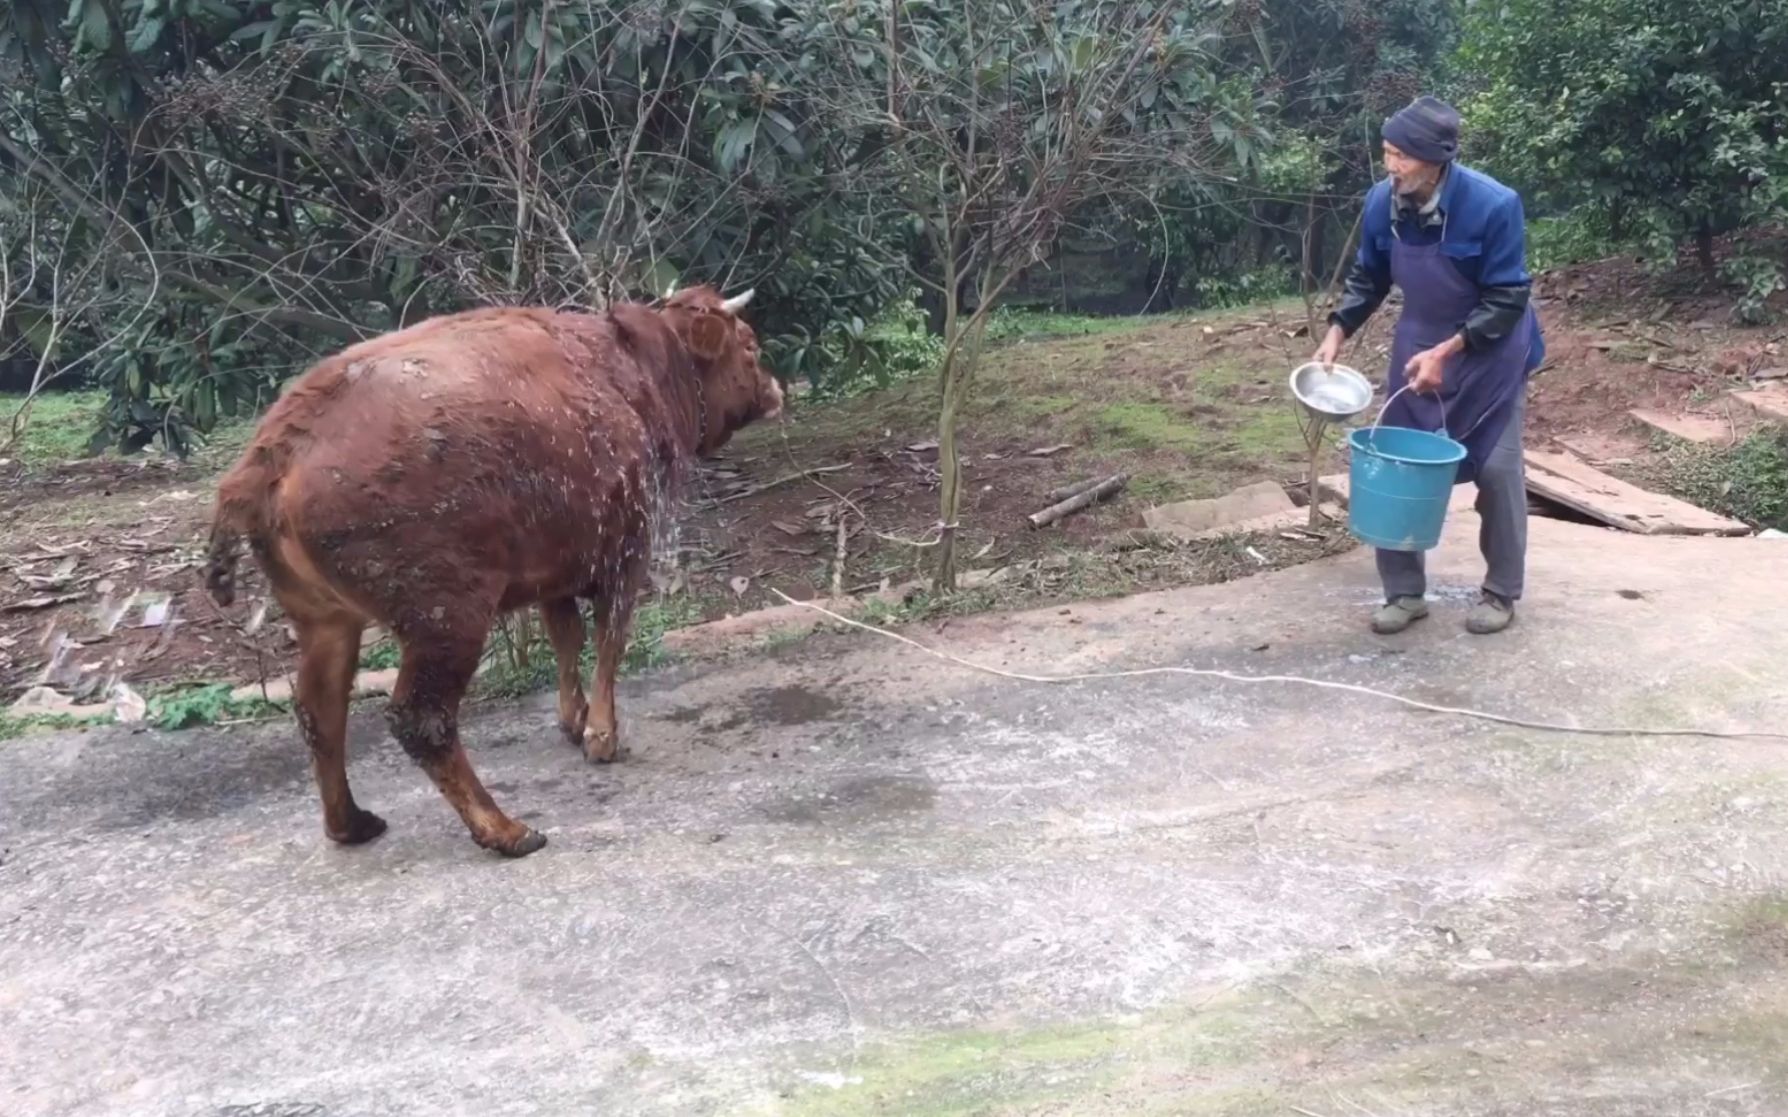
(565, 628)
(602, 736)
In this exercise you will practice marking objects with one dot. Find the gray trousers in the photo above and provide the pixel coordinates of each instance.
(1502, 536)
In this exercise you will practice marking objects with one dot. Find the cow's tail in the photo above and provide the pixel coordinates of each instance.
(241, 516)
(220, 566)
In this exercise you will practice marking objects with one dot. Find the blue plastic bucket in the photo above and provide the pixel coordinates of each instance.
(1399, 484)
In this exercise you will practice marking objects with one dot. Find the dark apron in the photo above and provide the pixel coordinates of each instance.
(1480, 389)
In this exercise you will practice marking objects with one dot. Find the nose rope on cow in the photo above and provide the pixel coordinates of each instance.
(1295, 680)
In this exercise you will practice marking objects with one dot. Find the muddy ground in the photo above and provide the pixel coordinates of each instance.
(844, 878)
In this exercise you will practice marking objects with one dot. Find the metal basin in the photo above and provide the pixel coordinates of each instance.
(1334, 392)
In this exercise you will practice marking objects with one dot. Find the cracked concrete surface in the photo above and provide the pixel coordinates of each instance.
(845, 878)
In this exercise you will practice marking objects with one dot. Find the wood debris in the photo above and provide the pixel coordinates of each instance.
(1104, 490)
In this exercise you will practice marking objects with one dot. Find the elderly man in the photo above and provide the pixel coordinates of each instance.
(1453, 240)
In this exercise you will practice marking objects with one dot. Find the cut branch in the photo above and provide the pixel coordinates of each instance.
(1104, 490)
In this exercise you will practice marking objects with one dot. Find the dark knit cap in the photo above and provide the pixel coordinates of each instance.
(1427, 130)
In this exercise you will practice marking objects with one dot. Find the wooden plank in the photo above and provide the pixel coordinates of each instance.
(1767, 400)
(1575, 484)
(1705, 429)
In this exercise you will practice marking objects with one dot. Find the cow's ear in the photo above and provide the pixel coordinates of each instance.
(707, 335)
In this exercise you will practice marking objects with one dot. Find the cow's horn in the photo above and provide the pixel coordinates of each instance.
(737, 302)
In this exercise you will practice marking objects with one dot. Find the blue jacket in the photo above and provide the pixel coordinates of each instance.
(1485, 237)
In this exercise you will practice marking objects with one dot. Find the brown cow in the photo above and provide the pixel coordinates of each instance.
(436, 477)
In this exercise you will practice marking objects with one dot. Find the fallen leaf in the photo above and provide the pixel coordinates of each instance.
(1050, 451)
(740, 585)
(922, 447)
(787, 528)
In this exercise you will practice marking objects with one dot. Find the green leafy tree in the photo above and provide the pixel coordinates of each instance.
(1664, 119)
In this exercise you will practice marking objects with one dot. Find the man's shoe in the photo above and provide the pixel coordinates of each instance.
(1398, 614)
(1490, 615)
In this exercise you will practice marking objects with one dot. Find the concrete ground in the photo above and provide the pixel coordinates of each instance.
(843, 878)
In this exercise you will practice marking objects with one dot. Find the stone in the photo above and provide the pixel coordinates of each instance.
(1193, 519)
(1769, 400)
(280, 689)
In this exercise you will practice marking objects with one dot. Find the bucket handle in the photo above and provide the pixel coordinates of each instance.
(1387, 406)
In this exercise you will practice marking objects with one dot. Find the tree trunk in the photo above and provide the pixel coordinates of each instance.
(962, 351)
(949, 463)
(1704, 247)
(1319, 243)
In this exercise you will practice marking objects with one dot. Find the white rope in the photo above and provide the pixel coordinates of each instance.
(1294, 680)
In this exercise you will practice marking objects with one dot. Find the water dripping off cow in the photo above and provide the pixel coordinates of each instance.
(529, 473)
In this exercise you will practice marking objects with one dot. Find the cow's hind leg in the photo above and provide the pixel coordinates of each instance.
(614, 616)
(565, 628)
(329, 651)
(438, 665)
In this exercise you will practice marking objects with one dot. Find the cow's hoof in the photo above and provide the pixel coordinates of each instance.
(362, 828)
(529, 841)
(601, 748)
(573, 728)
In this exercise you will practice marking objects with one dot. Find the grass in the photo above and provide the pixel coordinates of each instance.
(15, 726)
(509, 677)
(60, 426)
(1140, 425)
(1012, 323)
(1748, 481)
(176, 708)
(382, 656)
(1186, 413)
(207, 704)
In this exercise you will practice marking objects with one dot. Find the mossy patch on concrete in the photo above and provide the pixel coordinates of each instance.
(1017, 1070)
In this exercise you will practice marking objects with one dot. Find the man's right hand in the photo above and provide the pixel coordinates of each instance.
(1330, 350)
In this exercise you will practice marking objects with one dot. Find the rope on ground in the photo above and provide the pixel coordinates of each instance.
(1292, 680)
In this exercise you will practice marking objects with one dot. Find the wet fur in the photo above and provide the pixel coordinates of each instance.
(430, 479)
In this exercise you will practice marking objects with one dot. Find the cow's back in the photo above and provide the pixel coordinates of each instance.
(518, 444)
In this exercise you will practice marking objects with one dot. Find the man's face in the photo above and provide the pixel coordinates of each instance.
(1408, 174)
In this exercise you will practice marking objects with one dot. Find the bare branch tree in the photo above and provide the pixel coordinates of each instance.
(993, 126)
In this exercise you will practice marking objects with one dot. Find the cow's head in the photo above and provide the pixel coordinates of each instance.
(736, 389)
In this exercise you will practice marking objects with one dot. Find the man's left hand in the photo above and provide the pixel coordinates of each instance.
(1427, 369)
